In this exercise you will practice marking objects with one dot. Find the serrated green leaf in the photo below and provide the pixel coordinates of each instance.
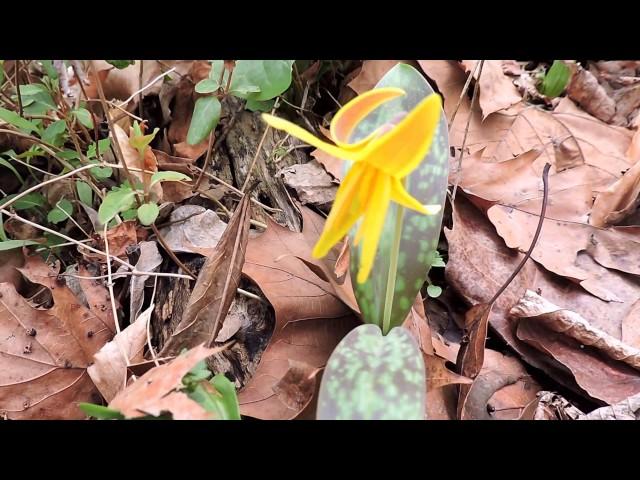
(84, 192)
(17, 121)
(83, 116)
(206, 116)
(11, 244)
(168, 176)
(269, 77)
(420, 233)
(54, 133)
(100, 412)
(556, 79)
(147, 213)
(374, 377)
(208, 85)
(61, 212)
(114, 202)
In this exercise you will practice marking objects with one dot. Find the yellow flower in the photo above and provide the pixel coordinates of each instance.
(381, 161)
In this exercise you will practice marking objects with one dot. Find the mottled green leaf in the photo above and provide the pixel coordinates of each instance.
(374, 377)
(420, 233)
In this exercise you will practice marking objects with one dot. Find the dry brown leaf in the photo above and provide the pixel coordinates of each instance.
(131, 158)
(312, 184)
(552, 406)
(417, 323)
(479, 262)
(438, 375)
(148, 261)
(497, 91)
(332, 165)
(310, 317)
(471, 354)
(537, 309)
(109, 370)
(631, 326)
(370, 74)
(156, 391)
(185, 98)
(621, 197)
(193, 229)
(10, 261)
(590, 95)
(216, 286)
(45, 352)
(627, 409)
(97, 298)
(297, 386)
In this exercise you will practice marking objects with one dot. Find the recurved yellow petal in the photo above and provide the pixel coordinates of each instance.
(302, 134)
(400, 195)
(373, 223)
(350, 115)
(401, 150)
(347, 208)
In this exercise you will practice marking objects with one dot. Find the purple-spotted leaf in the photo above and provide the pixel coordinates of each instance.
(420, 233)
(374, 377)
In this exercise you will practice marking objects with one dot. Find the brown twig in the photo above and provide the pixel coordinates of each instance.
(17, 79)
(214, 148)
(545, 182)
(466, 132)
(170, 252)
(463, 93)
(112, 129)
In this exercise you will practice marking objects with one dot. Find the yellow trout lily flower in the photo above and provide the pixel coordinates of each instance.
(381, 161)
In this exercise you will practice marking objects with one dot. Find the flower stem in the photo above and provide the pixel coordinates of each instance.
(393, 270)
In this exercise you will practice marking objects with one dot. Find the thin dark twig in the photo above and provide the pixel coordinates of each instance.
(17, 79)
(466, 132)
(167, 248)
(545, 182)
(463, 93)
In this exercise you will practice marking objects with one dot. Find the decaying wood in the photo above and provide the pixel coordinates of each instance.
(237, 152)
(256, 320)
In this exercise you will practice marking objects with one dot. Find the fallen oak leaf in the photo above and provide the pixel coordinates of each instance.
(627, 409)
(497, 91)
(471, 354)
(109, 369)
(370, 74)
(310, 317)
(157, 391)
(215, 287)
(44, 353)
(536, 308)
